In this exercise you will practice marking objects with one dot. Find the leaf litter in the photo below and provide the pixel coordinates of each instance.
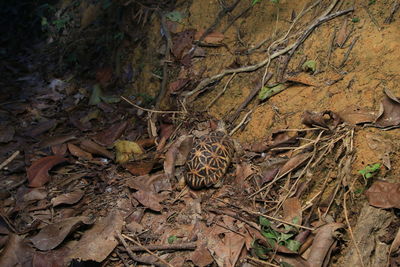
(284, 198)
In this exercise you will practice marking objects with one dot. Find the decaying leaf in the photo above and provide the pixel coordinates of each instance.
(384, 195)
(140, 167)
(389, 114)
(294, 163)
(108, 136)
(68, 198)
(292, 210)
(96, 149)
(126, 150)
(177, 154)
(17, 252)
(201, 256)
(302, 78)
(38, 172)
(323, 241)
(52, 235)
(99, 241)
(327, 119)
(342, 34)
(355, 116)
(182, 42)
(78, 152)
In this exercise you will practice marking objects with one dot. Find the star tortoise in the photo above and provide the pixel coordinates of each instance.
(209, 160)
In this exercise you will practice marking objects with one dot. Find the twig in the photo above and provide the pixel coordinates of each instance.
(182, 246)
(249, 98)
(372, 17)
(350, 229)
(220, 93)
(151, 110)
(134, 257)
(264, 215)
(236, 17)
(263, 263)
(126, 264)
(324, 18)
(235, 216)
(165, 66)
(395, 7)
(151, 253)
(346, 56)
(328, 58)
(241, 123)
(9, 159)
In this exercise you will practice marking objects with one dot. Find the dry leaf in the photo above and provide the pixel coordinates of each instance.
(99, 241)
(384, 195)
(292, 210)
(17, 252)
(294, 163)
(354, 116)
(389, 114)
(149, 199)
(78, 152)
(201, 256)
(177, 154)
(38, 172)
(96, 149)
(52, 235)
(126, 150)
(108, 136)
(212, 38)
(68, 198)
(342, 34)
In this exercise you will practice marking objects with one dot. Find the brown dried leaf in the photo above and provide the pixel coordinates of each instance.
(108, 136)
(52, 235)
(52, 258)
(322, 243)
(94, 148)
(177, 154)
(294, 163)
(178, 85)
(149, 199)
(354, 116)
(342, 34)
(68, 198)
(59, 150)
(139, 168)
(389, 114)
(292, 210)
(384, 195)
(201, 256)
(17, 252)
(181, 42)
(78, 152)
(38, 172)
(243, 171)
(318, 119)
(98, 242)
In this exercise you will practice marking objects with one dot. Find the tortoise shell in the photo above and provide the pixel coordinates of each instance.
(208, 160)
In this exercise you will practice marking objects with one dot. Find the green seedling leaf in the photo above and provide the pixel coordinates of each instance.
(285, 237)
(370, 170)
(175, 16)
(355, 20)
(269, 235)
(264, 222)
(259, 250)
(293, 245)
(267, 92)
(255, 2)
(96, 95)
(310, 65)
(275, 1)
(172, 239)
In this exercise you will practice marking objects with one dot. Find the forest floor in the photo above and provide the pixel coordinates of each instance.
(97, 123)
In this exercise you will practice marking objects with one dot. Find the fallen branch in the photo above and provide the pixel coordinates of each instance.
(395, 7)
(182, 246)
(137, 258)
(346, 56)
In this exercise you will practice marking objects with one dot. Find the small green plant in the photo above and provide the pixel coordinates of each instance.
(172, 239)
(310, 65)
(371, 2)
(370, 170)
(274, 237)
(355, 20)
